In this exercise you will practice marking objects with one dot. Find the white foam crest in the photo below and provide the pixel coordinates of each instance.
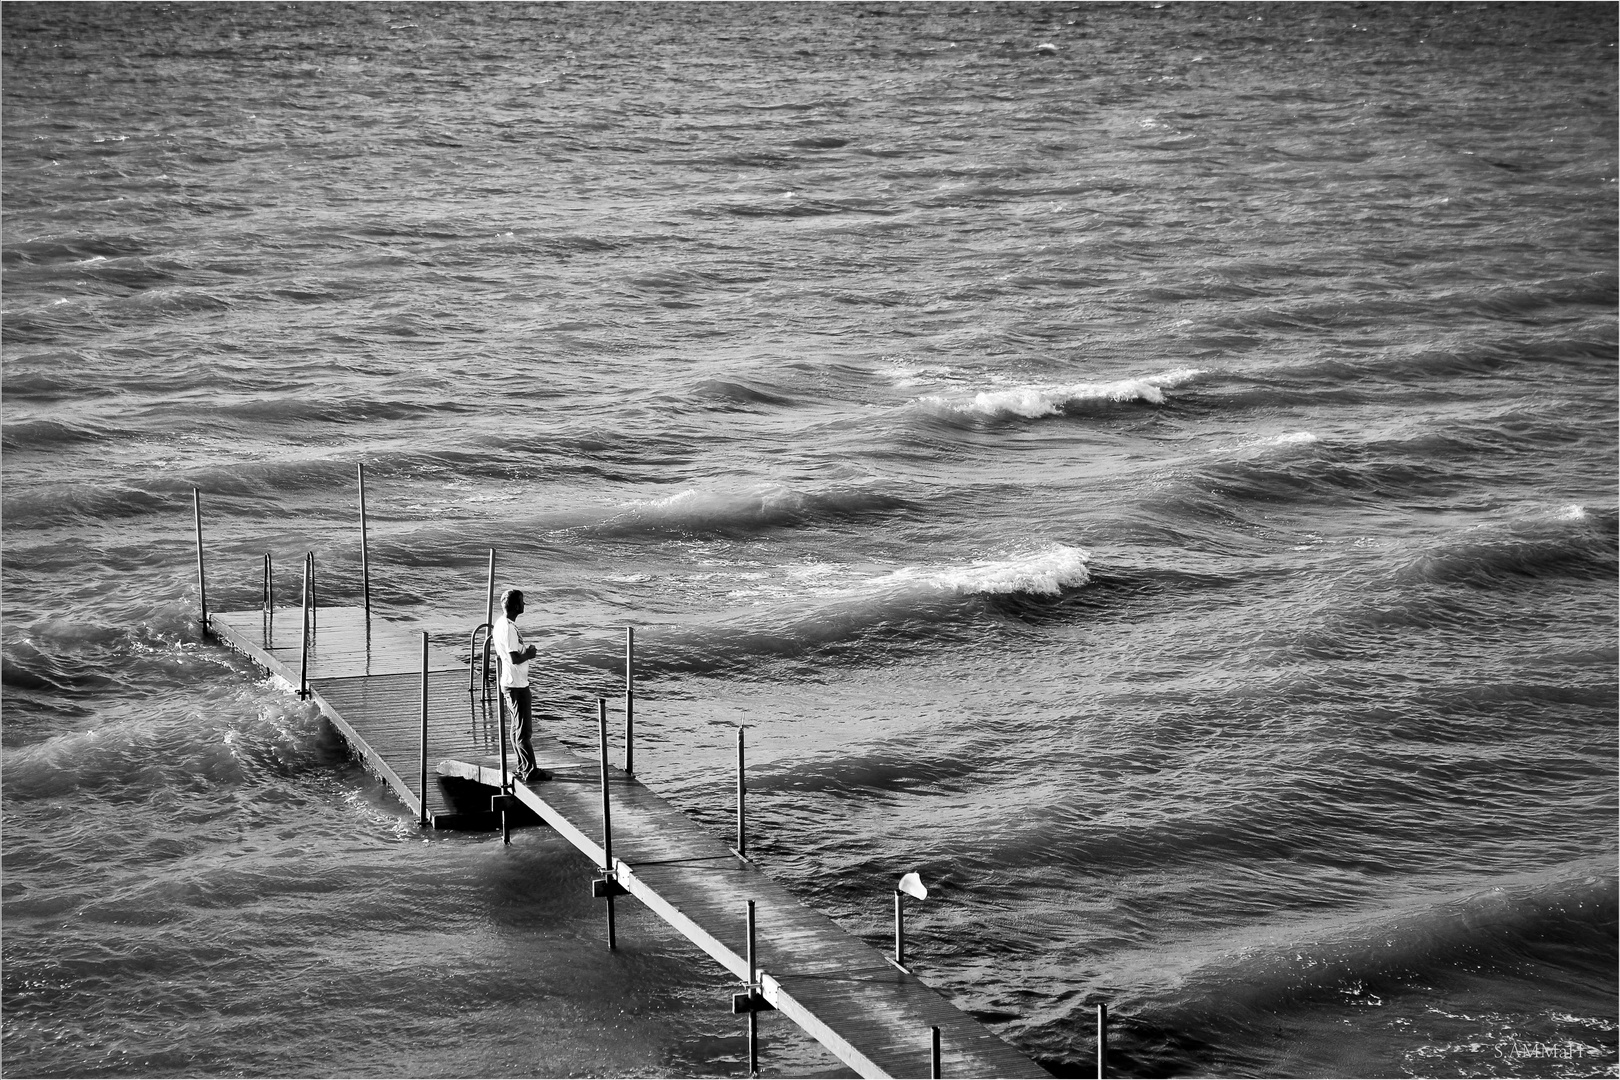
(1572, 512)
(1176, 377)
(754, 505)
(904, 375)
(1037, 401)
(692, 502)
(1259, 446)
(680, 498)
(1047, 572)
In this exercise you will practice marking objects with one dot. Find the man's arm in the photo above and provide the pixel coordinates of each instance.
(509, 638)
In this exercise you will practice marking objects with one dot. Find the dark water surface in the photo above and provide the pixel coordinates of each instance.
(1151, 469)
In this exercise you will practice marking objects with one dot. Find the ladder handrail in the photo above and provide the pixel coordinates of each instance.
(473, 658)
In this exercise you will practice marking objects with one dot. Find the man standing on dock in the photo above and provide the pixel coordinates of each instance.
(515, 657)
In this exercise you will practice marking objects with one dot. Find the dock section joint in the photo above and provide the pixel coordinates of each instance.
(750, 1001)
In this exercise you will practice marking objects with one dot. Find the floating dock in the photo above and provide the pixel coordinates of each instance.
(402, 705)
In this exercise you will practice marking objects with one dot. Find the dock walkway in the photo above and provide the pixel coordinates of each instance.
(368, 680)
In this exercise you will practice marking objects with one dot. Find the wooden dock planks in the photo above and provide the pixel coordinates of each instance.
(368, 682)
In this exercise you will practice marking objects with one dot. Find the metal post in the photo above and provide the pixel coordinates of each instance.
(742, 835)
(506, 783)
(500, 701)
(933, 1069)
(489, 620)
(314, 604)
(422, 819)
(365, 560)
(899, 929)
(303, 664)
(753, 989)
(269, 602)
(629, 701)
(753, 968)
(489, 593)
(1102, 1040)
(607, 818)
(202, 583)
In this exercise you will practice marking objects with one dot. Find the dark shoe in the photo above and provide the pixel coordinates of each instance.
(536, 775)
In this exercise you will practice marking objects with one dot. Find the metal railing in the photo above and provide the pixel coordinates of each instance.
(477, 661)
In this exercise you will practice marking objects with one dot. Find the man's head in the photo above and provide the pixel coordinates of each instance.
(512, 603)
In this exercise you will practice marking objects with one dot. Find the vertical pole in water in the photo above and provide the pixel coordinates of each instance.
(933, 1068)
(629, 701)
(422, 818)
(1102, 1040)
(202, 583)
(753, 991)
(365, 560)
(899, 928)
(303, 664)
(314, 605)
(742, 833)
(269, 601)
(607, 818)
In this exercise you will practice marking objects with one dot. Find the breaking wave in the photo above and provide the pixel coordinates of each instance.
(776, 505)
(1570, 541)
(875, 614)
(1503, 925)
(1038, 401)
(255, 733)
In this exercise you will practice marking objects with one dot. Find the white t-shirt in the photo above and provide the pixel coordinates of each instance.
(507, 641)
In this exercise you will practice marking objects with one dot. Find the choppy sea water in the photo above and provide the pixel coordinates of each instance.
(1151, 469)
